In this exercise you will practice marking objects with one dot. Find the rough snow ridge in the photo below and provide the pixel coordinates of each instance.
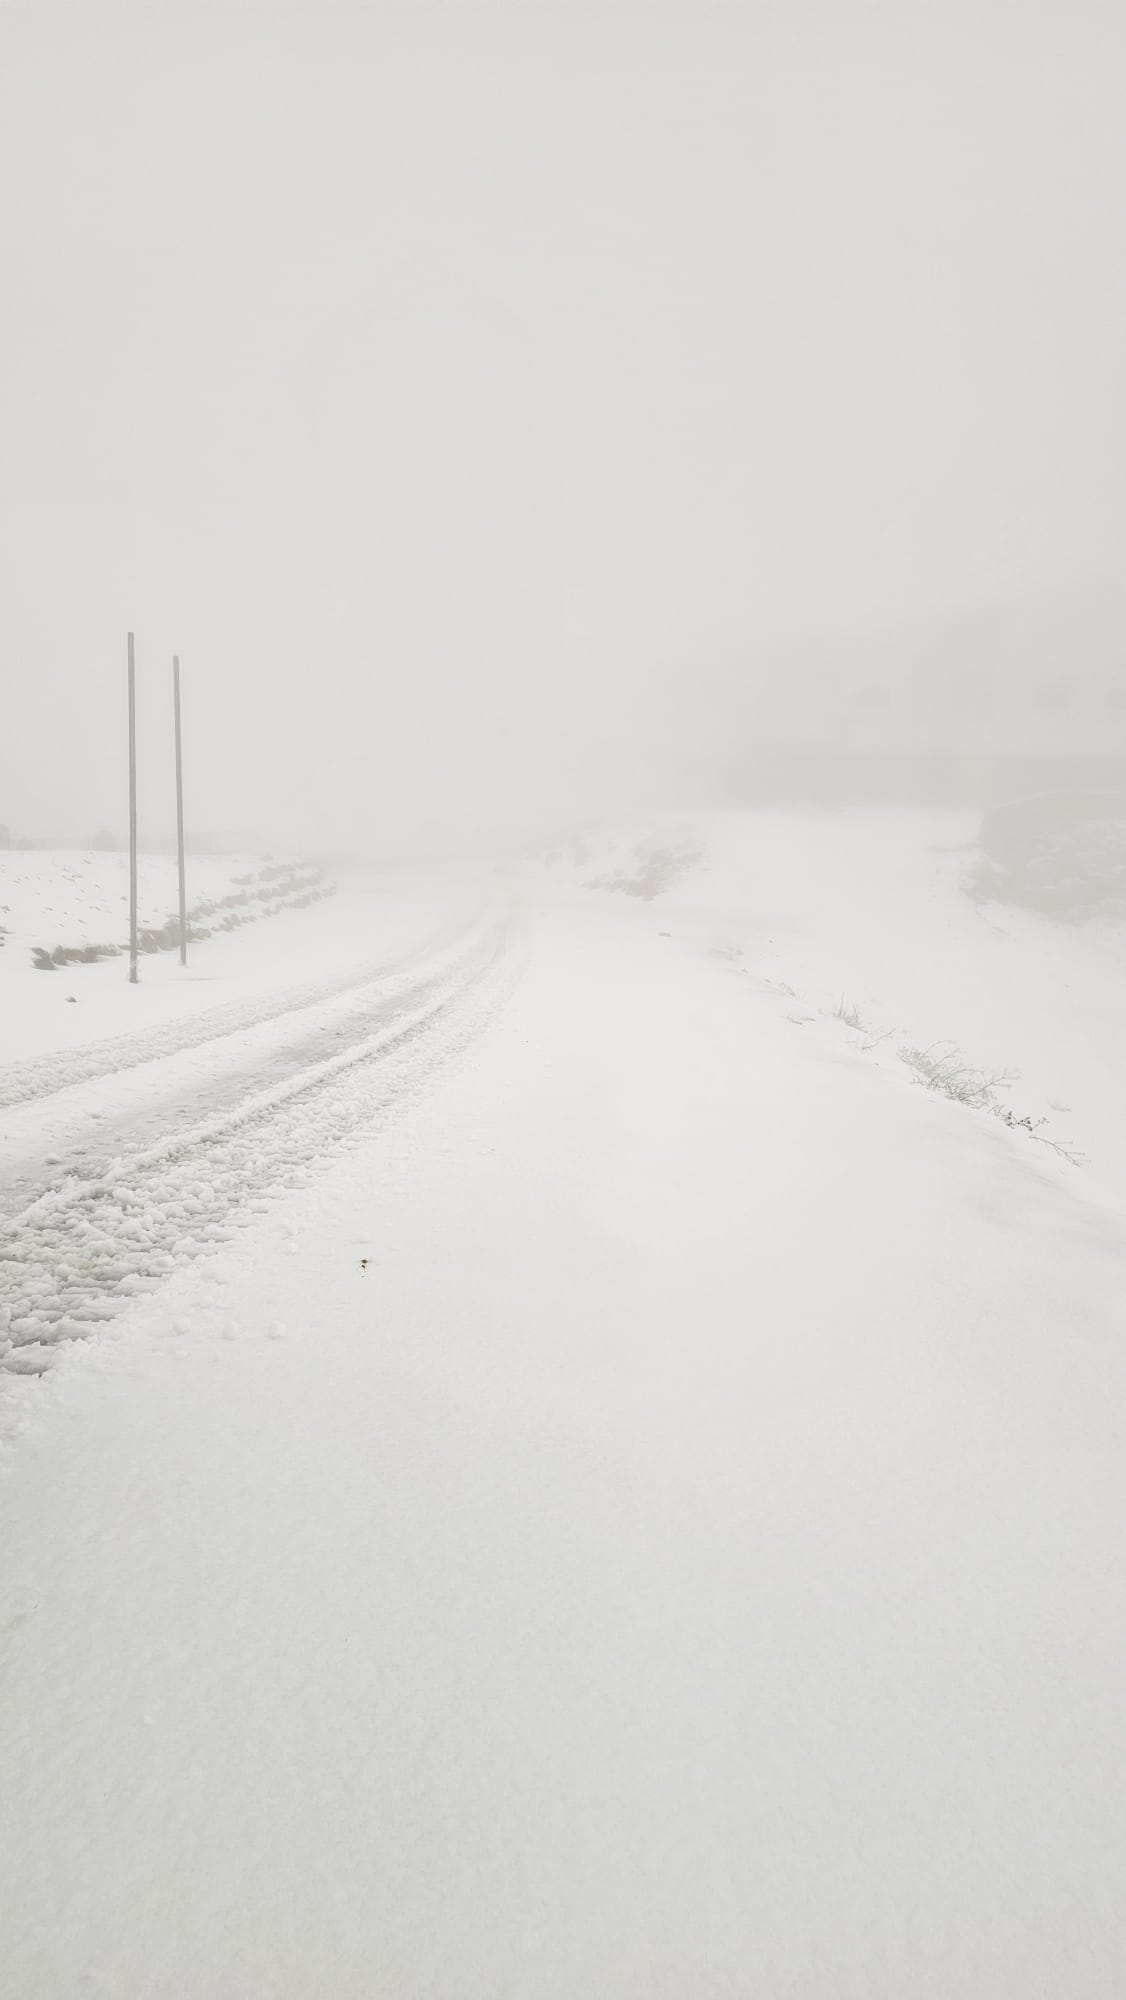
(79, 1252)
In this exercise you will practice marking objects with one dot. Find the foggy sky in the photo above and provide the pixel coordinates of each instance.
(461, 390)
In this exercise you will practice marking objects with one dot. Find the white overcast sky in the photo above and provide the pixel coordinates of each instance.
(455, 386)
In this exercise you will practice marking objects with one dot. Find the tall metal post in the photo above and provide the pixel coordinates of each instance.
(132, 819)
(180, 811)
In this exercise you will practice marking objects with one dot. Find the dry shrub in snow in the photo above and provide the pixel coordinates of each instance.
(944, 1068)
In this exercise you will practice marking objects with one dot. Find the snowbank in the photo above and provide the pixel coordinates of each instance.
(73, 909)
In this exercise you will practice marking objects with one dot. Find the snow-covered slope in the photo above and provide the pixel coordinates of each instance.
(637, 1512)
(50, 899)
(1064, 855)
(867, 913)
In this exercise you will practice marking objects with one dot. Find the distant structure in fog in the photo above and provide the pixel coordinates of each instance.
(214, 841)
(988, 703)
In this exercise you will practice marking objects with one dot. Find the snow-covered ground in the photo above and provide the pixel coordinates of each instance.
(49, 896)
(866, 912)
(615, 1488)
(54, 896)
(376, 915)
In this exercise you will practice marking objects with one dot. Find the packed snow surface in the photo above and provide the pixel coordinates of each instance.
(629, 1500)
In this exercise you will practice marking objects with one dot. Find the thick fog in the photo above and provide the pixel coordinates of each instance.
(511, 413)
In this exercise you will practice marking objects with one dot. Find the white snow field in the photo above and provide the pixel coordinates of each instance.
(609, 1487)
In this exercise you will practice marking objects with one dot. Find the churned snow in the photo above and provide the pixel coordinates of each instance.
(630, 1500)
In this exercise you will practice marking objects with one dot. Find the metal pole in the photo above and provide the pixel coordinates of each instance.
(132, 819)
(180, 811)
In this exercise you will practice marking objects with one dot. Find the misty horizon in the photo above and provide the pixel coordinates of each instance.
(472, 400)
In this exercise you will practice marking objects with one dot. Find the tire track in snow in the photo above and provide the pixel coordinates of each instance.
(78, 1253)
(46, 1143)
(46, 1076)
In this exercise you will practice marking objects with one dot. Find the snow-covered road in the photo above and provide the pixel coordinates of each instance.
(643, 1518)
(286, 1010)
(119, 1174)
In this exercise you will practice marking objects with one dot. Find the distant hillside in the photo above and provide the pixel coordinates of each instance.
(1023, 695)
